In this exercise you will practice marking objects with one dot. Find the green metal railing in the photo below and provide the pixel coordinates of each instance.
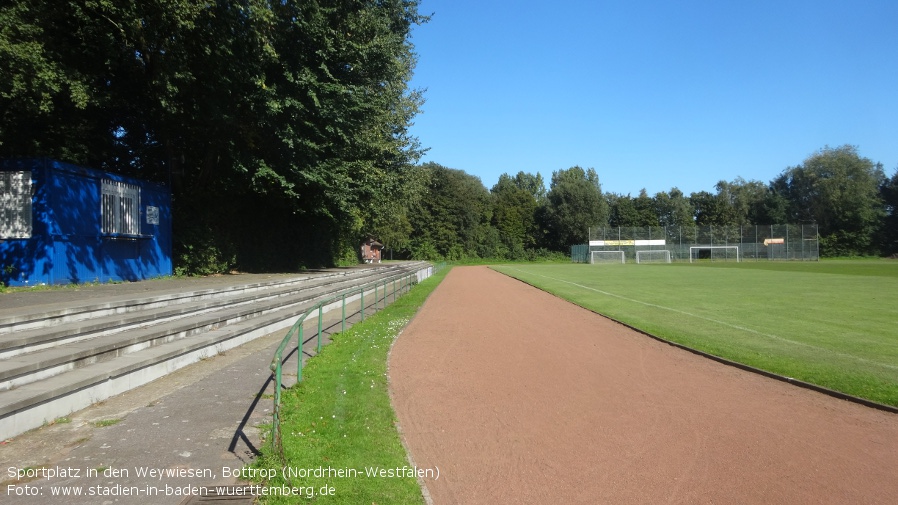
(381, 290)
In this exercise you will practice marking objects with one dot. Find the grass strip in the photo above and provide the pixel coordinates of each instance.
(338, 426)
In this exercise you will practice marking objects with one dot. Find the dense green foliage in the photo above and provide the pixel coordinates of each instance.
(846, 195)
(890, 229)
(828, 323)
(280, 126)
(453, 220)
(840, 191)
(574, 201)
(459, 219)
(516, 201)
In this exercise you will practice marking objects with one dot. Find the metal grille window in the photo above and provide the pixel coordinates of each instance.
(121, 208)
(15, 205)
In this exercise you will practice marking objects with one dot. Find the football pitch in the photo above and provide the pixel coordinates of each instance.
(830, 323)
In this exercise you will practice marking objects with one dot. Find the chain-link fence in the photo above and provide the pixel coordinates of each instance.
(706, 243)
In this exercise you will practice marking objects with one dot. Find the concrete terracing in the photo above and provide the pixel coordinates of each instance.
(62, 350)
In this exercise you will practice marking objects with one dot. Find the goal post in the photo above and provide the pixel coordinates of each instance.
(653, 256)
(711, 248)
(605, 257)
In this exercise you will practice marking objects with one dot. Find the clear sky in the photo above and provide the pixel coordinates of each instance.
(655, 93)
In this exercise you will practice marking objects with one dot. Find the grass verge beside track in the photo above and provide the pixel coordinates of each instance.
(834, 324)
(340, 417)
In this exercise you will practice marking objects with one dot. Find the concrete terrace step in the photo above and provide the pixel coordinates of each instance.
(113, 319)
(18, 319)
(23, 320)
(81, 361)
(25, 368)
(149, 328)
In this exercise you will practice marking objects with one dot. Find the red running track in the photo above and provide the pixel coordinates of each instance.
(520, 397)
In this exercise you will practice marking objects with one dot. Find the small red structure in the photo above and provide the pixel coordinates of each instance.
(371, 250)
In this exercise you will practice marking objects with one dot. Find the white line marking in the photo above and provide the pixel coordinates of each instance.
(722, 323)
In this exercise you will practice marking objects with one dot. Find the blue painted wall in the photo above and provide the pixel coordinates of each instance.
(66, 244)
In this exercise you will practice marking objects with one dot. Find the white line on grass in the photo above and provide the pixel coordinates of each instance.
(716, 321)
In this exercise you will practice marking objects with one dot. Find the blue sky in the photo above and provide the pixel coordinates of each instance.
(655, 94)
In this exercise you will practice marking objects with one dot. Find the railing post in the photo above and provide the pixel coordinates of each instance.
(375, 297)
(320, 311)
(362, 309)
(343, 317)
(276, 415)
(299, 356)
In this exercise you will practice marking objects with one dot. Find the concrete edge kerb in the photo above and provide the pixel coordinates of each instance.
(748, 368)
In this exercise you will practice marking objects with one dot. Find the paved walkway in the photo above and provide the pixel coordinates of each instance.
(203, 418)
(520, 397)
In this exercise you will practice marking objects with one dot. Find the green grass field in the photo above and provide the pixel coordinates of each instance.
(830, 323)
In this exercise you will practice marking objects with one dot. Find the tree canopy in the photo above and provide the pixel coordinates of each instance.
(254, 111)
(451, 222)
(846, 195)
(839, 191)
(516, 203)
(574, 203)
(890, 223)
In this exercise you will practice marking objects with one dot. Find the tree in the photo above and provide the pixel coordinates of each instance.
(452, 220)
(743, 201)
(389, 219)
(515, 204)
(710, 210)
(646, 213)
(673, 209)
(889, 191)
(574, 203)
(774, 209)
(621, 211)
(839, 191)
(533, 184)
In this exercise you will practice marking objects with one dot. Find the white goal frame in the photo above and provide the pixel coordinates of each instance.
(666, 253)
(592, 256)
(712, 247)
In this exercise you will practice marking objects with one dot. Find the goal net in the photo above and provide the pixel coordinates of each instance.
(653, 256)
(605, 257)
(714, 253)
